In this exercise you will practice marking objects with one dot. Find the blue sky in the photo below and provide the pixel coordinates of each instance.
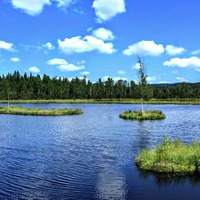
(101, 38)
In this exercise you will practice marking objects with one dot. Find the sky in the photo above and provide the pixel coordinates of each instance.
(101, 39)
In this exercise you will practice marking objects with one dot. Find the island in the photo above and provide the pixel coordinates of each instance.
(18, 110)
(171, 157)
(143, 115)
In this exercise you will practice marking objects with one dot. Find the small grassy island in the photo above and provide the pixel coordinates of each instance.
(145, 115)
(17, 110)
(171, 157)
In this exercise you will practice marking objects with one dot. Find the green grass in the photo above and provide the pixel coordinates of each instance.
(146, 115)
(17, 110)
(108, 101)
(171, 157)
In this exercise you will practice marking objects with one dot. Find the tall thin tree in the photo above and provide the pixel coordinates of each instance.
(142, 81)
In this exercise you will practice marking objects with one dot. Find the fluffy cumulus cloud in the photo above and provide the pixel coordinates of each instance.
(6, 46)
(15, 59)
(35, 7)
(192, 62)
(144, 48)
(87, 44)
(107, 9)
(31, 7)
(103, 34)
(65, 66)
(34, 69)
(173, 50)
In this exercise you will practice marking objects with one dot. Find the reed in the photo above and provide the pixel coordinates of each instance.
(17, 110)
(171, 157)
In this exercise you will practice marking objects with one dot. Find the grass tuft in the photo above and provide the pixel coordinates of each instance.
(171, 157)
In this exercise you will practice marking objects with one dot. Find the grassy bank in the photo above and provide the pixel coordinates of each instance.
(17, 110)
(171, 157)
(146, 115)
(108, 101)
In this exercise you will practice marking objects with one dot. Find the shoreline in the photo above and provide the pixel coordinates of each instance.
(105, 101)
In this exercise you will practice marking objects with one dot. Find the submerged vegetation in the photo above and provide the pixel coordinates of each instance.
(17, 110)
(171, 157)
(143, 115)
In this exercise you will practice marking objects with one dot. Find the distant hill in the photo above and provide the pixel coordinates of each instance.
(161, 85)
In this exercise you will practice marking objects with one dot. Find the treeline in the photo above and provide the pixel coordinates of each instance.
(16, 86)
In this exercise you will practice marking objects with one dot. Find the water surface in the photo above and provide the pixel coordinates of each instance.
(91, 156)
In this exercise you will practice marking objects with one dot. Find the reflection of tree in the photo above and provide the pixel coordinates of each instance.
(143, 135)
(163, 179)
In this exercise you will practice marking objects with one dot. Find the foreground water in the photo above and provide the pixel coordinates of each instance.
(91, 156)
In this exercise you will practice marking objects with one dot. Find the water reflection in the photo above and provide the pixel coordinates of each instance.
(163, 180)
(111, 185)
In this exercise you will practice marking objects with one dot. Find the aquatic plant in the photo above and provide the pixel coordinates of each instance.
(143, 115)
(171, 157)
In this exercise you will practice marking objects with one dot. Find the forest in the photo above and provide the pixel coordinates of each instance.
(28, 86)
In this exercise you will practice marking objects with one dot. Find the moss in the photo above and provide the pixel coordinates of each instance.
(171, 157)
(146, 115)
(17, 110)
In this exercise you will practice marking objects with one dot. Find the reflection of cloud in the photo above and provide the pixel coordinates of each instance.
(111, 185)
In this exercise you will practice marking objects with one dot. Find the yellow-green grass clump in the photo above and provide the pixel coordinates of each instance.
(18, 110)
(171, 157)
(145, 115)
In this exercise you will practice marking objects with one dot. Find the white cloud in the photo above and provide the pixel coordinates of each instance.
(107, 9)
(151, 78)
(192, 62)
(105, 78)
(173, 50)
(136, 66)
(86, 44)
(6, 46)
(31, 7)
(144, 48)
(196, 52)
(181, 79)
(49, 46)
(64, 3)
(15, 59)
(34, 69)
(85, 73)
(103, 34)
(121, 72)
(35, 7)
(64, 66)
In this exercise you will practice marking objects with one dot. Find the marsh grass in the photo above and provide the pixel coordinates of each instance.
(146, 115)
(171, 157)
(17, 110)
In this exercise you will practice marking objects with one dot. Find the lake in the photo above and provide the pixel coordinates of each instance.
(91, 156)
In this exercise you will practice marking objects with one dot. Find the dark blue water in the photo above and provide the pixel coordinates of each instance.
(91, 156)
